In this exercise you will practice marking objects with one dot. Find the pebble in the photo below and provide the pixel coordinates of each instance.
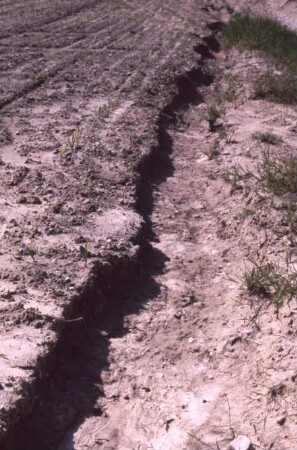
(281, 420)
(240, 443)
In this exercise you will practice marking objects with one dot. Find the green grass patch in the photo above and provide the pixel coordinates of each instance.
(263, 34)
(275, 41)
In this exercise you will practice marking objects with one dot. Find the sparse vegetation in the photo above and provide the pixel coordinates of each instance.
(229, 95)
(274, 40)
(212, 115)
(31, 250)
(214, 151)
(263, 34)
(228, 92)
(279, 88)
(85, 251)
(270, 282)
(278, 174)
(72, 144)
(235, 174)
(267, 138)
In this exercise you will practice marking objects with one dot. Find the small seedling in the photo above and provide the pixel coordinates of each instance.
(74, 140)
(102, 110)
(63, 150)
(73, 143)
(85, 251)
(114, 103)
(212, 115)
(35, 79)
(31, 251)
(214, 151)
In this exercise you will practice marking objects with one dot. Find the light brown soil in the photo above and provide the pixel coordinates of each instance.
(150, 341)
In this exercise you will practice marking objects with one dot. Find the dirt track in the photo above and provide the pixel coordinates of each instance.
(97, 270)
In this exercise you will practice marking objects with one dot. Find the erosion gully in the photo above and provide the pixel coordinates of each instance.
(73, 388)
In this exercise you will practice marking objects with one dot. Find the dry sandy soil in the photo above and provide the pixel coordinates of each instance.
(125, 324)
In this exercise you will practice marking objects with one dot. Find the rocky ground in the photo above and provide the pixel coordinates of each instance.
(125, 322)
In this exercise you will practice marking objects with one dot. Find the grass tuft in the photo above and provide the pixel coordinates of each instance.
(268, 281)
(267, 138)
(214, 151)
(212, 115)
(279, 174)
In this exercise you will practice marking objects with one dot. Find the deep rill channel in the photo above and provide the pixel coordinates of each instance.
(74, 389)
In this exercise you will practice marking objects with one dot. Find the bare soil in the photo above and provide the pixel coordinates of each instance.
(125, 324)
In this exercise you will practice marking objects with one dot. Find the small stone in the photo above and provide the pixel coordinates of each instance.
(281, 420)
(241, 443)
(36, 201)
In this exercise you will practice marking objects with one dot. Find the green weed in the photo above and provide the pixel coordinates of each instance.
(270, 282)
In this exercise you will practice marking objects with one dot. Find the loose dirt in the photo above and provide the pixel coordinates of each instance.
(125, 321)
